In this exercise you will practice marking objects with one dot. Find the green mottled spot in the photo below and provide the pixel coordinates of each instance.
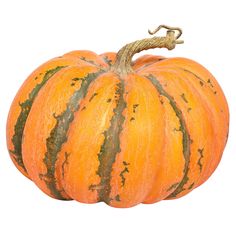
(132, 118)
(107, 60)
(92, 97)
(210, 83)
(122, 175)
(184, 98)
(117, 198)
(191, 186)
(189, 109)
(77, 79)
(65, 162)
(92, 187)
(134, 107)
(200, 152)
(177, 130)
(126, 163)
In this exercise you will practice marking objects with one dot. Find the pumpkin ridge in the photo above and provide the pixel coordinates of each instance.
(25, 110)
(183, 128)
(58, 134)
(206, 106)
(111, 146)
(201, 149)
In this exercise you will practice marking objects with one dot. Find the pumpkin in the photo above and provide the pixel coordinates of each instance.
(105, 128)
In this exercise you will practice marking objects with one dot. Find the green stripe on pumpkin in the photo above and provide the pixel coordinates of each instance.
(111, 146)
(58, 134)
(25, 110)
(186, 141)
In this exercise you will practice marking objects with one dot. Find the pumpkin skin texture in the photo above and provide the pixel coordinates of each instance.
(81, 130)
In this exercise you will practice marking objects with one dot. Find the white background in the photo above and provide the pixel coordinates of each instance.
(32, 32)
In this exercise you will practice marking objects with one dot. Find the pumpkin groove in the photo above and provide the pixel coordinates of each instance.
(141, 143)
(59, 120)
(210, 148)
(104, 128)
(59, 132)
(21, 120)
(186, 142)
(111, 145)
(211, 94)
(197, 142)
(217, 110)
(217, 126)
(86, 152)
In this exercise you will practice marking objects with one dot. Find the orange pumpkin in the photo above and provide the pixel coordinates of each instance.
(103, 128)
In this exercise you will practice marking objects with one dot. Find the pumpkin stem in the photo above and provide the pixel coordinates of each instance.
(123, 63)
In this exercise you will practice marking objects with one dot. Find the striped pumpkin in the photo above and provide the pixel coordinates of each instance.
(103, 128)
